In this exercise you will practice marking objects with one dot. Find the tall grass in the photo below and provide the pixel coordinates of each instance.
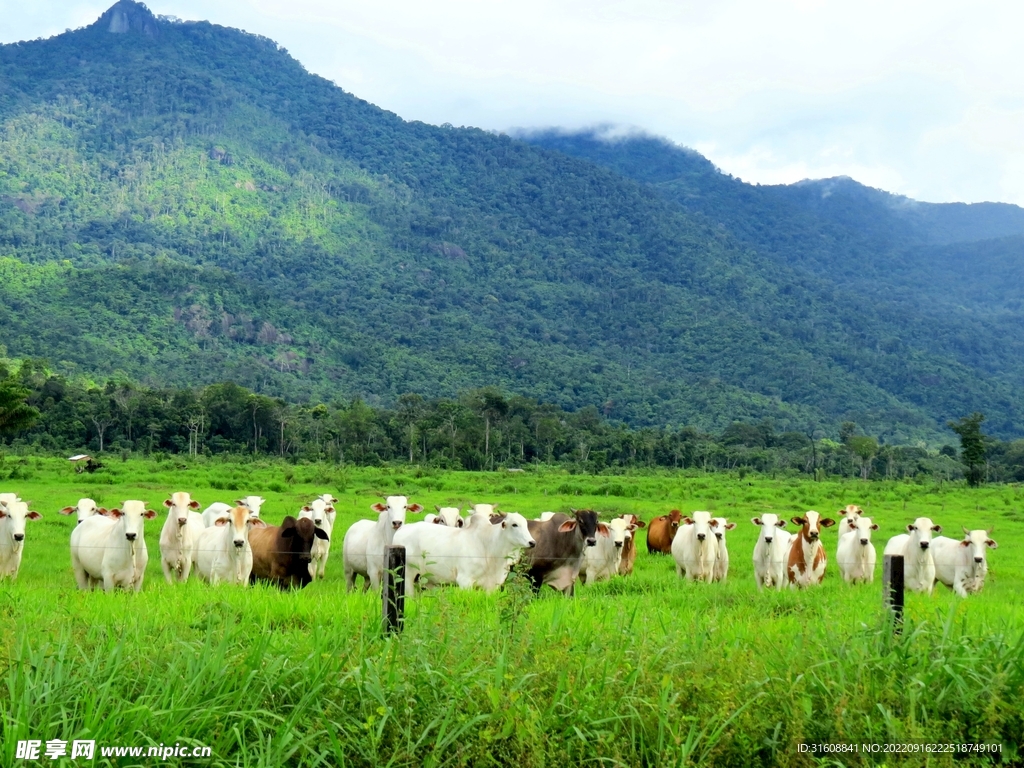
(642, 671)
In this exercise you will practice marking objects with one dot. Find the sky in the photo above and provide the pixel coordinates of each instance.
(924, 99)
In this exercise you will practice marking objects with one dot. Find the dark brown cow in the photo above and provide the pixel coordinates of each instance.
(281, 554)
(629, 547)
(661, 531)
(558, 556)
(807, 560)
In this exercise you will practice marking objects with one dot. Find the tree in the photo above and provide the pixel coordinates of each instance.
(410, 411)
(864, 448)
(972, 446)
(15, 413)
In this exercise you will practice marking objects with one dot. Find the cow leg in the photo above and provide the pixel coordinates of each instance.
(167, 570)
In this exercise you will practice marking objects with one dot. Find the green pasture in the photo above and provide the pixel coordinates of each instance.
(639, 671)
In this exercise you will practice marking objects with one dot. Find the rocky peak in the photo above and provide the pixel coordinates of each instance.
(129, 16)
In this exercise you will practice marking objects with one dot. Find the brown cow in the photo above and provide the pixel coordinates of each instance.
(807, 560)
(661, 531)
(629, 546)
(281, 554)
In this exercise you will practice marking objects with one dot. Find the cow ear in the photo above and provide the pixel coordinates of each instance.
(241, 503)
(730, 526)
(3, 510)
(320, 533)
(149, 514)
(221, 521)
(103, 511)
(438, 521)
(641, 524)
(289, 531)
(168, 503)
(781, 523)
(828, 522)
(568, 525)
(965, 543)
(307, 508)
(67, 510)
(687, 520)
(33, 515)
(257, 522)
(378, 507)
(756, 521)
(114, 513)
(603, 529)
(937, 528)
(193, 504)
(910, 527)
(874, 526)
(991, 544)
(797, 521)
(414, 508)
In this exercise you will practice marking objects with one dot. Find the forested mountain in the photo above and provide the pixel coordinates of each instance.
(182, 203)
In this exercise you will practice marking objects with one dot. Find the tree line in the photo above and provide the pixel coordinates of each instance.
(481, 429)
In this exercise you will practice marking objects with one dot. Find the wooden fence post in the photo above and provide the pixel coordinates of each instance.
(394, 588)
(892, 589)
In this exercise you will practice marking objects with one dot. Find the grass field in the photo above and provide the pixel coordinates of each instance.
(645, 670)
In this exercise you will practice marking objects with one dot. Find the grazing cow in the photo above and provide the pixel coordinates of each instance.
(695, 548)
(771, 553)
(225, 555)
(281, 554)
(807, 558)
(722, 557)
(472, 556)
(962, 565)
(179, 538)
(561, 542)
(322, 514)
(856, 554)
(362, 549)
(445, 516)
(661, 531)
(915, 546)
(13, 515)
(111, 549)
(218, 508)
(629, 548)
(849, 517)
(601, 561)
(85, 509)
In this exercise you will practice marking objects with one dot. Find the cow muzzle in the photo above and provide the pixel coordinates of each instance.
(130, 536)
(396, 524)
(978, 560)
(531, 545)
(924, 545)
(618, 545)
(863, 542)
(813, 535)
(767, 539)
(239, 543)
(700, 537)
(182, 520)
(591, 542)
(19, 537)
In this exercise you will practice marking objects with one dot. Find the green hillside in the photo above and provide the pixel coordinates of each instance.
(183, 203)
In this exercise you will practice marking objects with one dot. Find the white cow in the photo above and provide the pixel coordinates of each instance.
(363, 547)
(478, 555)
(602, 560)
(218, 508)
(694, 547)
(856, 554)
(545, 516)
(962, 565)
(848, 518)
(13, 515)
(111, 549)
(771, 551)
(722, 556)
(915, 546)
(85, 509)
(445, 516)
(224, 552)
(322, 514)
(179, 538)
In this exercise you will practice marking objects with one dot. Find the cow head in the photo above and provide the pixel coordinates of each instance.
(921, 531)
(448, 516)
(977, 540)
(17, 512)
(811, 524)
(850, 515)
(132, 515)
(864, 526)
(585, 523)
(633, 520)
(301, 533)
(240, 520)
(85, 509)
(178, 506)
(702, 525)
(516, 529)
(252, 503)
(392, 513)
(721, 526)
(620, 531)
(768, 522)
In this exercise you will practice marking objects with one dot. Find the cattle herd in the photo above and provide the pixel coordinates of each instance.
(232, 544)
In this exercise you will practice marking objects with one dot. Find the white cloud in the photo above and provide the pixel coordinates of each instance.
(921, 98)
